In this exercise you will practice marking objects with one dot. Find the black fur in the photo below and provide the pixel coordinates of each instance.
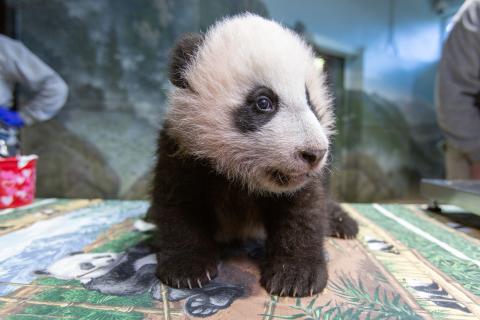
(183, 52)
(247, 118)
(185, 218)
(189, 197)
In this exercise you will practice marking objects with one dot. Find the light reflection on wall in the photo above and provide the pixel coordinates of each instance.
(395, 56)
(319, 63)
(388, 136)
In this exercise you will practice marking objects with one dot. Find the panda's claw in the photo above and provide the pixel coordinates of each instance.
(195, 272)
(293, 279)
(341, 225)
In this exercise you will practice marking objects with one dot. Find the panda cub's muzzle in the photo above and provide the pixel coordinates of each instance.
(308, 164)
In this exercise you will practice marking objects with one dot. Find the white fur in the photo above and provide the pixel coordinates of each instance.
(69, 267)
(238, 54)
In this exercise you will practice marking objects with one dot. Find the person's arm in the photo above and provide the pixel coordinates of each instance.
(50, 91)
(459, 84)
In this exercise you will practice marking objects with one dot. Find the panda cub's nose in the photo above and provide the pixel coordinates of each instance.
(312, 156)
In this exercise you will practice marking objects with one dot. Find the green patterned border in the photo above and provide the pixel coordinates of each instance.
(464, 272)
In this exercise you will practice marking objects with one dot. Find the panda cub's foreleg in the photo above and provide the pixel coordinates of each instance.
(186, 252)
(187, 256)
(295, 264)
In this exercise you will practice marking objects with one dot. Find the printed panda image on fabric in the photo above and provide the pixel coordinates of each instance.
(133, 272)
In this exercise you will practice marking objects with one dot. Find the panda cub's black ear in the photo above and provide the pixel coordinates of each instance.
(183, 52)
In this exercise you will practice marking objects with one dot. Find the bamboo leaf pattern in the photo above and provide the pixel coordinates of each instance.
(364, 304)
(379, 302)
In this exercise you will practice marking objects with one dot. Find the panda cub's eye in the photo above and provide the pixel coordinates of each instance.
(264, 104)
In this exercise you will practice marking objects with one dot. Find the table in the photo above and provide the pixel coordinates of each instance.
(462, 193)
(89, 259)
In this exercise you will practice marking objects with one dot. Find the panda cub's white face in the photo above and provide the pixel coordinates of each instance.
(254, 104)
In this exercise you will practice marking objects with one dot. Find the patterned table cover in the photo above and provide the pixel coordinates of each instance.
(89, 259)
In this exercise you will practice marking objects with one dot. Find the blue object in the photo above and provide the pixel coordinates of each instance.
(11, 118)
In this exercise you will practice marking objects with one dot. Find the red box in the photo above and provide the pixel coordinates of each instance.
(17, 181)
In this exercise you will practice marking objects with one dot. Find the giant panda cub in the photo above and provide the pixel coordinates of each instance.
(241, 156)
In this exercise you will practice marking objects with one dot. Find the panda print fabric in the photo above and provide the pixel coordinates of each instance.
(243, 155)
(133, 272)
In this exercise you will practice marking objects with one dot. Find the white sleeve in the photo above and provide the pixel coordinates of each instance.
(50, 91)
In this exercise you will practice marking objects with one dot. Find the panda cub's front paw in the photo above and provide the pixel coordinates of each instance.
(186, 270)
(294, 279)
(343, 226)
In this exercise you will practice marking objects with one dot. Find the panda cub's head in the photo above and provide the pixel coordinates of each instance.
(249, 99)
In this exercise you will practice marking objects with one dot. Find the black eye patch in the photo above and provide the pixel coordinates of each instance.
(254, 114)
(86, 266)
(310, 104)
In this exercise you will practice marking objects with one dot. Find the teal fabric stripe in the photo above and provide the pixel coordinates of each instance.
(34, 207)
(35, 312)
(465, 273)
(449, 236)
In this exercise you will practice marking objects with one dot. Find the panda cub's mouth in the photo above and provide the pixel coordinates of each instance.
(284, 179)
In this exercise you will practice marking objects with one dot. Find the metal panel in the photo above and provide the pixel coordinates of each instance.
(464, 194)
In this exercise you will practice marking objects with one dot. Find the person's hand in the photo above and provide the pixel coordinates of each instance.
(475, 171)
(11, 118)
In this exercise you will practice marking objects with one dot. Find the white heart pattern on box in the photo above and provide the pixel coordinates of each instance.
(21, 194)
(26, 173)
(6, 200)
